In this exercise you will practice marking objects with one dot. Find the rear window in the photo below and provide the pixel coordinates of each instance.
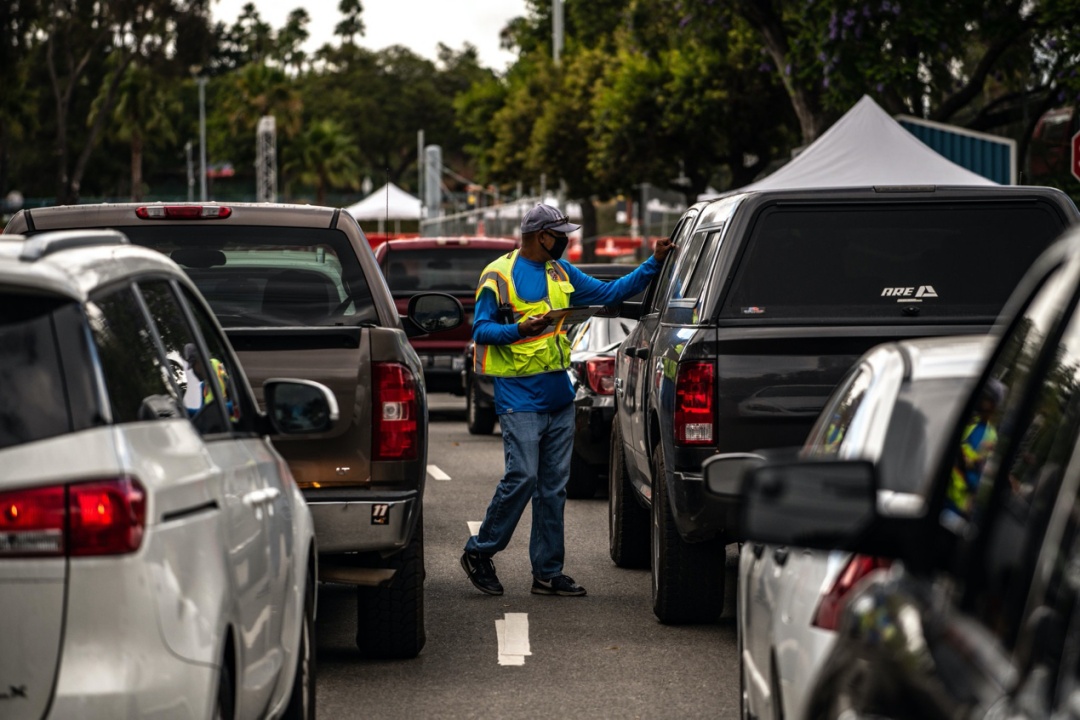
(949, 261)
(268, 276)
(447, 269)
(33, 405)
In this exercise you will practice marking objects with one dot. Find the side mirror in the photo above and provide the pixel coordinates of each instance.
(299, 407)
(824, 504)
(433, 312)
(724, 473)
(631, 310)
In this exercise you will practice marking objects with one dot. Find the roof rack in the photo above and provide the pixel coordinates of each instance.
(47, 243)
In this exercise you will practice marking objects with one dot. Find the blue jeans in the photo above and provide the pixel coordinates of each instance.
(537, 447)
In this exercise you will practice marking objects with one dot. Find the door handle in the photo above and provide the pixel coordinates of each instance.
(780, 556)
(261, 496)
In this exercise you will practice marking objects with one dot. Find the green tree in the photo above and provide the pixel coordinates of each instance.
(144, 113)
(323, 156)
(351, 25)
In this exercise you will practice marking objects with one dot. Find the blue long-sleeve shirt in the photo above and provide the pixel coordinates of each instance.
(551, 391)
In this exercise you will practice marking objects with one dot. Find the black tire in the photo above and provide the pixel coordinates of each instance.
(479, 419)
(583, 479)
(628, 521)
(302, 700)
(225, 707)
(390, 618)
(687, 578)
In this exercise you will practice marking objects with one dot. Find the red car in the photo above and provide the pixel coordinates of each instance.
(446, 264)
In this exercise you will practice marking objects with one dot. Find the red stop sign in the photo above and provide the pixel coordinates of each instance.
(1074, 161)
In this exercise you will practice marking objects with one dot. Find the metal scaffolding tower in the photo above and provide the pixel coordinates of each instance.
(266, 160)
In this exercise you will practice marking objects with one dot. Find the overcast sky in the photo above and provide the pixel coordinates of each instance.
(417, 24)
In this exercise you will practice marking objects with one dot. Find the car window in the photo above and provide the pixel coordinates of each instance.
(829, 433)
(436, 269)
(268, 276)
(237, 404)
(140, 385)
(657, 295)
(696, 284)
(33, 403)
(1017, 438)
(186, 362)
(958, 261)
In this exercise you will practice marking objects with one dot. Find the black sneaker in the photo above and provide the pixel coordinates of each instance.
(558, 585)
(481, 572)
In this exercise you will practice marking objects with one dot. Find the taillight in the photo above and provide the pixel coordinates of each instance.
(600, 374)
(32, 522)
(104, 517)
(395, 413)
(827, 616)
(694, 403)
(107, 518)
(183, 212)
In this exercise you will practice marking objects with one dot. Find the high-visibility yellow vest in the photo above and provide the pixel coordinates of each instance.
(547, 352)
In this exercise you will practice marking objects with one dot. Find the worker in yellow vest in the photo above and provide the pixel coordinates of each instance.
(527, 356)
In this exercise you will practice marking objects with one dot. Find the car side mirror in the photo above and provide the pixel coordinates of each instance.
(433, 312)
(631, 310)
(299, 407)
(824, 504)
(724, 473)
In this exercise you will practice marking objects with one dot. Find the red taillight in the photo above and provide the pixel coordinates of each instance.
(694, 403)
(183, 212)
(827, 616)
(395, 412)
(32, 522)
(105, 517)
(600, 374)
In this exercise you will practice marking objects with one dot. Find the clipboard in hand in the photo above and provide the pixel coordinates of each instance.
(572, 315)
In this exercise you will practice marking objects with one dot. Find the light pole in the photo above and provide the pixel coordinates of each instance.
(202, 138)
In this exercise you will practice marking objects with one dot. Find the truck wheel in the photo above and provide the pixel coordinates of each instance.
(687, 578)
(628, 521)
(390, 618)
(480, 420)
(302, 701)
(583, 478)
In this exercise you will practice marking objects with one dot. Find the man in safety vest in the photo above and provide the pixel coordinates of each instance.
(191, 355)
(976, 444)
(527, 356)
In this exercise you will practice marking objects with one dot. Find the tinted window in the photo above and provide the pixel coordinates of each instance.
(140, 385)
(446, 269)
(223, 375)
(950, 261)
(660, 285)
(829, 433)
(268, 276)
(921, 419)
(33, 405)
(186, 362)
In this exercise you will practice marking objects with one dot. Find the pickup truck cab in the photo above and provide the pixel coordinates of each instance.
(768, 299)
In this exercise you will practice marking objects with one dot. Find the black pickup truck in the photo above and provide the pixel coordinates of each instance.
(768, 299)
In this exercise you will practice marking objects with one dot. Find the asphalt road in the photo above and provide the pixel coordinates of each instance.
(600, 656)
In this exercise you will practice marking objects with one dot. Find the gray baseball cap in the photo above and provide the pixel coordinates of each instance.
(545, 217)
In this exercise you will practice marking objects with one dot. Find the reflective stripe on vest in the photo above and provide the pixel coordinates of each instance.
(548, 352)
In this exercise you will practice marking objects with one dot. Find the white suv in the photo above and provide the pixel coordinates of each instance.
(156, 556)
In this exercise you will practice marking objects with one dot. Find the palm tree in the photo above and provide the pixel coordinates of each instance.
(144, 109)
(257, 90)
(323, 156)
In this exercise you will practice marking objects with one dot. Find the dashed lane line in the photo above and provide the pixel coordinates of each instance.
(435, 472)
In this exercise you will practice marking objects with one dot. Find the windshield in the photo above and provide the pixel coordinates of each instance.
(268, 276)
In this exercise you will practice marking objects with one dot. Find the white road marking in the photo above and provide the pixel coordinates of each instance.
(435, 472)
(474, 527)
(513, 636)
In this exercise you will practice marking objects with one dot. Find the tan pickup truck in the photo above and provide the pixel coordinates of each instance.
(299, 294)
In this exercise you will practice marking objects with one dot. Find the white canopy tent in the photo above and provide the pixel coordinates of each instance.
(387, 203)
(865, 147)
